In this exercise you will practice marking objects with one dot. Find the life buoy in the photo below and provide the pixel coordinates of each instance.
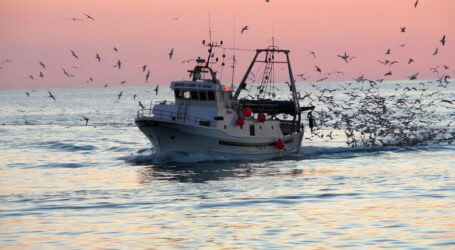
(246, 112)
(261, 117)
(279, 144)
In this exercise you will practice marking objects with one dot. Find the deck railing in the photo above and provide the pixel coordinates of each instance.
(174, 116)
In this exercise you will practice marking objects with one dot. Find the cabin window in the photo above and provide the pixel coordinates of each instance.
(194, 95)
(186, 94)
(211, 95)
(252, 132)
(202, 96)
(178, 94)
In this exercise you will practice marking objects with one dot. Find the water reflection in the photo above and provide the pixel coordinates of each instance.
(195, 172)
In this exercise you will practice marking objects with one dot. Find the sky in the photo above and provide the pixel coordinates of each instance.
(145, 31)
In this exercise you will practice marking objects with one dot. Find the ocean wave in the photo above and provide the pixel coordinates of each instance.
(67, 147)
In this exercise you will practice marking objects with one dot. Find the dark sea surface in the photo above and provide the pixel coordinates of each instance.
(353, 184)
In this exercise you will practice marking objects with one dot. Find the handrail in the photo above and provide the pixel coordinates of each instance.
(173, 116)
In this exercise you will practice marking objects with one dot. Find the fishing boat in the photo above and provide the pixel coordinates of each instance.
(208, 117)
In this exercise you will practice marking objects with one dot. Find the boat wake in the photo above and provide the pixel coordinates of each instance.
(149, 156)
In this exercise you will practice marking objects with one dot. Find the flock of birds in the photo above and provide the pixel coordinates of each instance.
(363, 111)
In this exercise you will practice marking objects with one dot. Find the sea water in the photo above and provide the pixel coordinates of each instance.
(68, 185)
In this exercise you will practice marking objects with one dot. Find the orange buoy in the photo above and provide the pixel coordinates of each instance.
(261, 117)
(240, 122)
(246, 112)
(279, 144)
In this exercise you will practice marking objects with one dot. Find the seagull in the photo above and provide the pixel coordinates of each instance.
(322, 79)
(51, 95)
(244, 29)
(388, 73)
(312, 52)
(89, 17)
(156, 89)
(41, 74)
(119, 95)
(443, 40)
(171, 53)
(147, 76)
(98, 57)
(140, 105)
(144, 67)
(122, 82)
(115, 49)
(410, 60)
(74, 54)
(86, 120)
(415, 4)
(65, 72)
(318, 69)
(134, 97)
(448, 101)
(413, 77)
(118, 65)
(403, 29)
(28, 94)
(403, 44)
(345, 57)
(74, 19)
(42, 64)
(387, 52)
(436, 51)
(91, 79)
(31, 77)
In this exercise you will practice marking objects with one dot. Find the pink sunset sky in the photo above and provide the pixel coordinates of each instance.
(144, 31)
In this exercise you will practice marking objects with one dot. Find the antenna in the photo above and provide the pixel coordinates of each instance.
(233, 55)
(210, 28)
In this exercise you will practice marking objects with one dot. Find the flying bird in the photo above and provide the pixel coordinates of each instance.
(388, 73)
(171, 53)
(122, 82)
(89, 17)
(140, 105)
(31, 77)
(115, 49)
(345, 57)
(410, 60)
(245, 28)
(403, 29)
(443, 40)
(41, 74)
(66, 72)
(156, 89)
(415, 4)
(42, 64)
(403, 44)
(51, 95)
(144, 67)
(74, 54)
(147, 76)
(119, 95)
(134, 97)
(387, 52)
(413, 77)
(118, 64)
(28, 94)
(312, 52)
(436, 51)
(74, 19)
(98, 57)
(318, 69)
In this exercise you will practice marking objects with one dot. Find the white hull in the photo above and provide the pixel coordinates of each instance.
(169, 136)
